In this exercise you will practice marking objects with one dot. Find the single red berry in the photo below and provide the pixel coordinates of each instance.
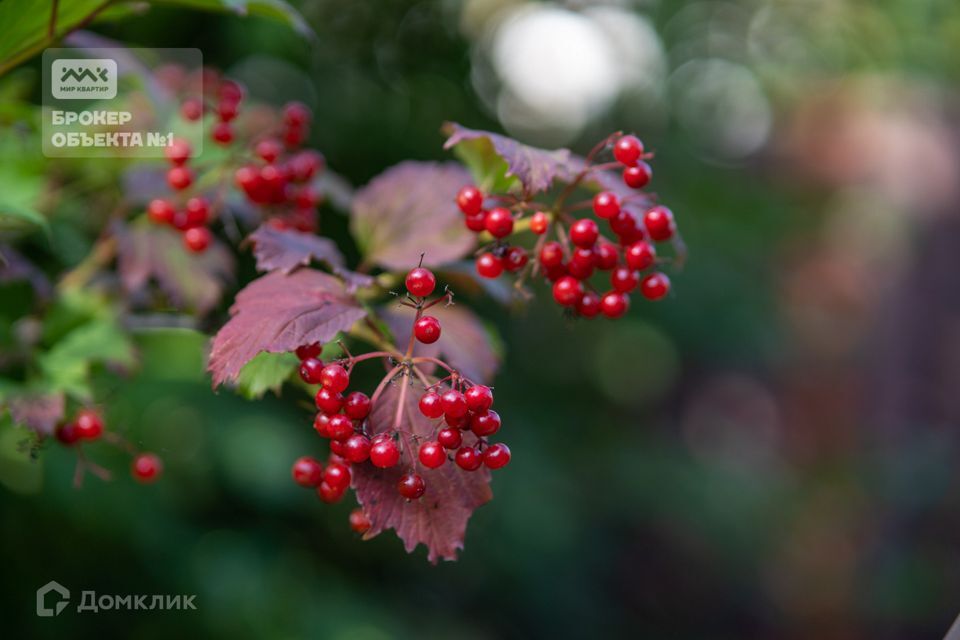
(551, 254)
(605, 256)
(356, 448)
(180, 221)
(655, 286)
(489, 265)
(468, 458)
(567, 291)
(357, 405)
(337, 475)
(177, 152)
(269, 149)
(222, 133)
(432, 455)
(296, 114)
(305, 164)
(321, 423)
(88, 425)
(624, 279)
(359, 521)
(554, 273)
(625, 225)
(274, 179)
(247, 178)
(329, 493)
(588, 305)
(640, 255)
(581, 263)
(421, 282)
(191, 109)
(427, 329)
(458, 422)
(307, 471)
(340, 427)
(411, 486)
(160, 211)
(328, 401)
(659, 223)
(606, 204)
(431, 405)
(476, 222)
(515, 259)
(309, 350)
(67, 433)
(197, 239)
(179, 178)
(384, 452)
(614, 304)
(499, 222)
(294, 136)
(449, 438)
(335, 378)
(310, 370)
(539, 222)
(628, 150)
(496, 456)
(639, 176)
(479, 397)
(454, 404)
(485, 423)
(227, 110)
(584, 232)
(198, 210)
(305, 197)
(470, 200)
(230, 90)
(146, 467)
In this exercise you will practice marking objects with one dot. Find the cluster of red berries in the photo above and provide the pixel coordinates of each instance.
(192, 218)
(223, 101)
(581, 250)
(87, 426)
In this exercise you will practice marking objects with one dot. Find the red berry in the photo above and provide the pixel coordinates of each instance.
(479, 397)
(458, 422)
(449, 438)
(310, 371)
(639, 176)
(294, 136)
(160, 211)
(88, 425)
(411, 486)
(384, 452)
(551, 254)
(659, 223)
(307, 472)
(309, 351)
(177, 152)
(454, 404)
(357, 405)
(499, 222)
(67, 433)
(427, 329)
(222, 133)
(628, 150)
(191, 109)
(305, 197)
(588, 305)
(146, 467)
(305, 164)
(431, 405)
(581, 263)
(605, 256)
(515, 259)
(470, 200)
(356, 448)
(655, 286)
(330, 494)
(269, 149)
(584, 232)
(321, 423)
(640, 255)
(624, 279)
(485, 423)
(179, 178)
(567, 291)
(227, 110)
(432, 455)
(230, 90)
(489, 265)
(539, 222)
(296, 114)
(421, 282)
(606, 204)
(340, 427)
(359, 521)
(335, 378)
(476, 222)
(614, 304)
(197, 212)
(337, 475)
(197, 239)
(328, 401)
(496, 456)
(468, 458)
(624, 224)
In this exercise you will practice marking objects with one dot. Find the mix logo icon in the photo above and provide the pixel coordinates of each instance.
(83, 78)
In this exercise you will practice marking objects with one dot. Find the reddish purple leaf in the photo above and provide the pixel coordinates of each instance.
(148, 252)
(40, 412)
(535, 168)
(285, 250)
(278, 313)
(409, 210)
(464, 342)
(438, 519)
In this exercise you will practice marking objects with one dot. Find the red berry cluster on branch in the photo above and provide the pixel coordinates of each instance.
(87, 427)
(192, 217)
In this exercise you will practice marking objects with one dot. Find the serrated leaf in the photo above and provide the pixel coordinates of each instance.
(278, 313)
(409, 210)
(285, 250)
(439, 518)
(265, 372)
(37, 411)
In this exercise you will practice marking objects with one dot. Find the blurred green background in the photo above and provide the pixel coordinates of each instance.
(770, 453)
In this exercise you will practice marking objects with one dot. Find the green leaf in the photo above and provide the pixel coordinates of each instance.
(266, 372)
(488, 169)
(19, 471)
(66, 366)
(13, 216)
(276, 10)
